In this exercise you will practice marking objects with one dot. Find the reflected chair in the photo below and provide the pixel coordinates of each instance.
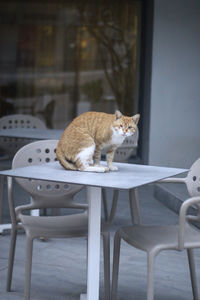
(10, 145)
(122, 154)
(45, 194)
(154, 239)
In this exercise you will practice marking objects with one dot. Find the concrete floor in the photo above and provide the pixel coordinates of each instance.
(59, 265)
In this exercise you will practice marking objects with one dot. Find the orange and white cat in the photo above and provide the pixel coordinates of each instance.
(89, 133)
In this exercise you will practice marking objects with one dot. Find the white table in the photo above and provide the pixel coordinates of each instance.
(128, 177)
(35, 134)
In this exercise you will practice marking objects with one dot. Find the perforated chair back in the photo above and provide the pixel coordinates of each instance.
(10, 144)
(124, 152)
(21, 121)
(193, 179)
(38, 153)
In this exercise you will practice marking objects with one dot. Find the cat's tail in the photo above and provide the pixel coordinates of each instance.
(69, 165)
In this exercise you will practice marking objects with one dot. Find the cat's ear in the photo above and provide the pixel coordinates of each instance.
(136, 118)
(118, 114)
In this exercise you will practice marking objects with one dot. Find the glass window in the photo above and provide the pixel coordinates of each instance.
(59, 59)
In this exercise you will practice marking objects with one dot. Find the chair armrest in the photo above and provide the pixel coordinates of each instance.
(182, 219)
(173, 180)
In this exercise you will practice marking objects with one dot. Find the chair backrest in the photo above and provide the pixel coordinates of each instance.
(40, 152)
(124, 152)
(193, 179)
(21, 121)
(11, 145)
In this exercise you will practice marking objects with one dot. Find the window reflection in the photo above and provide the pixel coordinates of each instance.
(60, 59)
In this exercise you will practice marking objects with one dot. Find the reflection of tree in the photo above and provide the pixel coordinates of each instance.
(93, 90)
(77, 66)
(115, 29)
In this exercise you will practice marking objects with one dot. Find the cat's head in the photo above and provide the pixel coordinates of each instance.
(125, 126)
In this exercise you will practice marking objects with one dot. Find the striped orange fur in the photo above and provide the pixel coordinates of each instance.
(82, 141)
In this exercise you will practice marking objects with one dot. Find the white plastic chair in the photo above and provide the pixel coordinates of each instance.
(154, 239)
(47, 194)
(10, 145)
(122, 154)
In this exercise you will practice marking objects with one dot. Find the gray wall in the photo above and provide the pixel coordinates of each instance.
(175, 89)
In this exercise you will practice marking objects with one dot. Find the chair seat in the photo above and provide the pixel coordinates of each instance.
(147, 238)
(67, 225)
(53, 226)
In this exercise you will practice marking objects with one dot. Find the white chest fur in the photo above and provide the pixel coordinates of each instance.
(117, 139)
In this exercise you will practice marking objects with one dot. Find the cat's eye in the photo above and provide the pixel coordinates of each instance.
(121, 125)
(130, 127)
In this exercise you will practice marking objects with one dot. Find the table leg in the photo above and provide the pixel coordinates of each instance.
(94, 231)
(1, 198)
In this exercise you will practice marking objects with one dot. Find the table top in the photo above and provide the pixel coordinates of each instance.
(128, 176)
(32, 133)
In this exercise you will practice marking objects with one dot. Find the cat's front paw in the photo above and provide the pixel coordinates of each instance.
(106, 169)
(99, 169)
(113, 168)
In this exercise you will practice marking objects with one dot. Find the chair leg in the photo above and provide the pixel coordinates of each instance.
(150, 275)
(134, 207)
(106, 251)
(11, 258)
(190, 254)
(110, 217)
(28, 266)
(105, 204)
(116, 254)
(114, 205)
